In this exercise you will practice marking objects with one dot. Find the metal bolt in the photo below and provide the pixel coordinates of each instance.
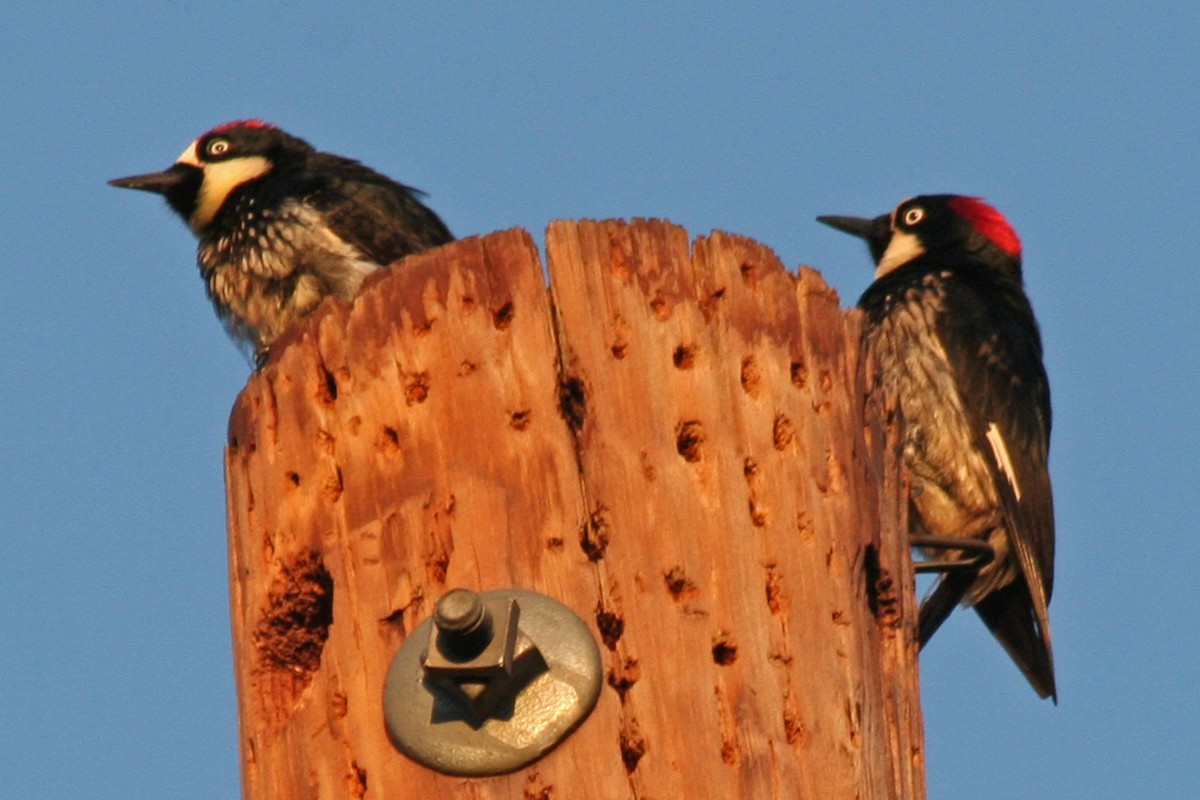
(470, 640)
(464, 625)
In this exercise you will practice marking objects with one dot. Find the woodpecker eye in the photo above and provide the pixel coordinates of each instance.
(217, 147)
(914, 215)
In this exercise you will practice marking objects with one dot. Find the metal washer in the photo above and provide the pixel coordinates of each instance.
(543, 713)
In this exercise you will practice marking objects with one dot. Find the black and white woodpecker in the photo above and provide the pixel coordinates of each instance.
(953, 336)
(281, 226)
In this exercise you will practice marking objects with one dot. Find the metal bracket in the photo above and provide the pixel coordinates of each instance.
(491, 682)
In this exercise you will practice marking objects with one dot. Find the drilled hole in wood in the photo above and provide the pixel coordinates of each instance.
(395, 620)
(684, 357)
(661, 308)
(356, 781)
(799, 374)
(793, 728)
(783, 432)
(502, 317)
(751, 376)
(804, 526)
(749, 273)
(332, 490)
(679, 584)
(648, 470)
(620, 683)
(416, 388)
(622, 677)
(611, 627)
(293, 478)
(882, 597)
(572, 401)
(724, 651)
(758, 511)
(437, 564)
(711, 304)
(633, 747)
(534, 789)
(774, 591)
(328, 390)
(689, 437)
(388, 441)
(339, 704)
(294, 622)
(593, 534)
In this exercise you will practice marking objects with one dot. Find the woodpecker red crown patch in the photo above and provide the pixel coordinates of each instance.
(988, 221)
(240, 123)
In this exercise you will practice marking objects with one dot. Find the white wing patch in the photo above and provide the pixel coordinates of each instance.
(1003, 459)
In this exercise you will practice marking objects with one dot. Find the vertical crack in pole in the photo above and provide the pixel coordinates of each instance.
(573, 398)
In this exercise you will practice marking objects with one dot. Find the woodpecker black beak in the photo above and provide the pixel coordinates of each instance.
(875, 232)
(159, 182)
(855, 226)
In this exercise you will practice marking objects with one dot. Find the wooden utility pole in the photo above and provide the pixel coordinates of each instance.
(673, 441)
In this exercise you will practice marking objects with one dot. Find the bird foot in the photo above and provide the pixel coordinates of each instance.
(976, 554)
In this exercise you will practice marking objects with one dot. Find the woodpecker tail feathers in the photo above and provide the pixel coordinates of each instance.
(1008, 614)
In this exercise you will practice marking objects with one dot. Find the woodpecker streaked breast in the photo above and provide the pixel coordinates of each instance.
(281, 226)
(953, 336)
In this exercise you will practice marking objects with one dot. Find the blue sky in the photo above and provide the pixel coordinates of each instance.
(1081, 124)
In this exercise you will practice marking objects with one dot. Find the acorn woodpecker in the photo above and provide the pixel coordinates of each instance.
(954, 337)
(281, 225)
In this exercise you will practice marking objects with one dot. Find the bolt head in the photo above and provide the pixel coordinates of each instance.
(458, 611)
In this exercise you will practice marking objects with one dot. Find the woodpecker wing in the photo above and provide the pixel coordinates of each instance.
(995, 352)
(383, 219)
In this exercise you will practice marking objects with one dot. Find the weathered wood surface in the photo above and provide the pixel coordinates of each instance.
(671, 442)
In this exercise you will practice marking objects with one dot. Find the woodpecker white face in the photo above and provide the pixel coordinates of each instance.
(223, 171)
(905, 245)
